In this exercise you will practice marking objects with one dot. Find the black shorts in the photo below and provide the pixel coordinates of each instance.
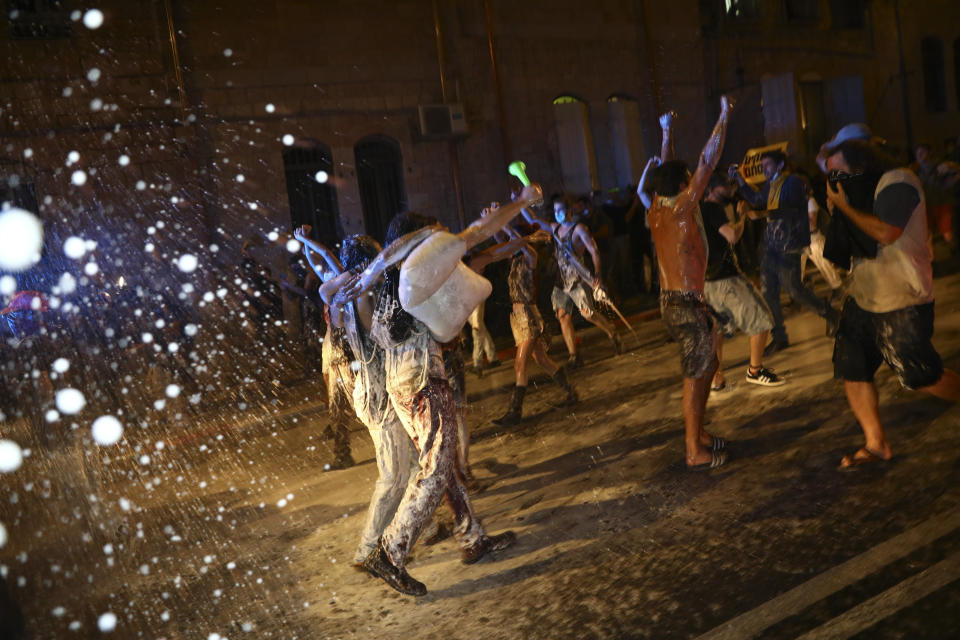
(690, 323)
(900, 338)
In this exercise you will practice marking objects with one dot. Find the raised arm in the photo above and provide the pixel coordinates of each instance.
(394, 253)
(488, 225)
(506, 249)
(642, 192)
(711, 152)
(302, 234)
(667, 152)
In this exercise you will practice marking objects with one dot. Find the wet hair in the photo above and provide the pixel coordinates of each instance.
(864, 157)
(357, 251)
(778, 157)
(406, 222)
(669, 177)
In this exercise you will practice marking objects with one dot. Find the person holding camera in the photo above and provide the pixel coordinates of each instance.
(888, 315)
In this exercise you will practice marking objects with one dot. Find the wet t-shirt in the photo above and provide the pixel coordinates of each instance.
(721, 260)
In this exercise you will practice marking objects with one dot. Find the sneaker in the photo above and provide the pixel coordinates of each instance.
(488, 544)
(765, 377)
(378, 565)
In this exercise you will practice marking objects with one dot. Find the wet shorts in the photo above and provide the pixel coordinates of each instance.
(525, 322)
(739, 306)
(900, 338)
(690, 323)
(578, 297)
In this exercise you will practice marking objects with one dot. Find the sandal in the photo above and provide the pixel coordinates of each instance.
(852, 461)
(717, 459)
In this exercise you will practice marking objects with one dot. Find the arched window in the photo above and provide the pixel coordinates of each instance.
(934, 75)
(578, 165)
(627, 138)
(313, 199)
(380, 178)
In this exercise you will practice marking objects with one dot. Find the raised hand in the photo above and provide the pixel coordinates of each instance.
(727, 102)
(667, 119)
(532, 192)
(302, 232)
(351, 290)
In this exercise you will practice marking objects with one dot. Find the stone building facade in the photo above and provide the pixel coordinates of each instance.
(236, 118)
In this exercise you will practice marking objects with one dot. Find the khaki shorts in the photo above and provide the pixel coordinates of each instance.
(578, 297)
(526, 323)
(739, 306)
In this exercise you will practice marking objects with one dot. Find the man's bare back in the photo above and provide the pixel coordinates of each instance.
(681, 253)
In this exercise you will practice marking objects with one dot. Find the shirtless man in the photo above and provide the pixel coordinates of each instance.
(676, 227)
(574, 283)
(422, 398)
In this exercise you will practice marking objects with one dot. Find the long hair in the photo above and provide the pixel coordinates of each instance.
(864, 157)
(406, 222)
(357, 251)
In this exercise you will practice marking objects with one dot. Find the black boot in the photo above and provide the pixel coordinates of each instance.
(560, 377)
(512, 416)
(378, 565)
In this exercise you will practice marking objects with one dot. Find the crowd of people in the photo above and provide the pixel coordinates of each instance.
(395, 313)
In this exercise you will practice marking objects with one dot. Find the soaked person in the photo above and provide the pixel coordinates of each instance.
(676, 226)
(783, 200)
(888, 316)
(420, 393)
(728, 292)
(526, 324)
(574, 284)
(336, 356)
(392, 447)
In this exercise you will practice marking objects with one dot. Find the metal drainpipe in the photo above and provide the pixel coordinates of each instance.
(903, 79)
(175, 52)
(451, 144)
(501, 113)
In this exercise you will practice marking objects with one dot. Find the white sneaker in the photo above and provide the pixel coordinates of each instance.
(765, 377)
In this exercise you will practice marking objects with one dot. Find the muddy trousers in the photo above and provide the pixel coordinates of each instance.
(394, 454)
(429, 418)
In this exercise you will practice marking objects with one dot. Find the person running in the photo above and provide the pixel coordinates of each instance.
(728, 292)
(676, 226)
(420, 393)
(526, 324)
(574, 283)
(391, 444)
(889, 311)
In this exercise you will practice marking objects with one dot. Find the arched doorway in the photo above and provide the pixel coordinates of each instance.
(578, 165)
(380, 179)
(313, 199)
